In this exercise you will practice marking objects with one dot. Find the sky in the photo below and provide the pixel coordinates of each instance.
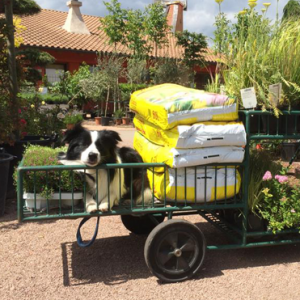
(199, 17)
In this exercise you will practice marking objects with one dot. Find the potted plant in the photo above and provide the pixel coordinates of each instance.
(119, 113)
(125, 120)
(72, 118)
(43, 188)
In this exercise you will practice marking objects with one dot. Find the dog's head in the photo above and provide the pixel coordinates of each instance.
(91, 147)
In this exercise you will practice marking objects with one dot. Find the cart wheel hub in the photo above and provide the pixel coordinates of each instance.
(177, 252)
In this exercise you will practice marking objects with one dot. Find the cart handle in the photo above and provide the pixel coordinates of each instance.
(78, 235)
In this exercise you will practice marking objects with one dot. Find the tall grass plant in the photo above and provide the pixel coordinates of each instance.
(256, 52)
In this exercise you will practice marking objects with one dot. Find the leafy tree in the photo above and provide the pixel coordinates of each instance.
(112, 69)
(156, 26)
(135, 33)
(171, 71)
(9, 117)
(291, 10)
(194, 45)
(94, 87)
(69, 84)
(136, 70)
(114, 23)
(32, 58)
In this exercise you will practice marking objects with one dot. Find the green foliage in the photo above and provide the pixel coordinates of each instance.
(257, 53)
(69, 84)
(280, 204)
(36, 119)
(32, 98)
(11, 127)
(136, 70)
(291, 10)
(130, 27)
(221, 35)
(73, 117)
(260, 161)
(114, 23)
(127, 89)
(94, 86)
(170, 71)
(37, 181)
(9, 122)
(35, 57)
(284, 57)
(135, 33)
(156, 26)
(246, 60)
(119, 113)
(25, 7)
(194, 45)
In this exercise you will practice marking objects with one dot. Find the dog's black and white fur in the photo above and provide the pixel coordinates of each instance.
(92, 148)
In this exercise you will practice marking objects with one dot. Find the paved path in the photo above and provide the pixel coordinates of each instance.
(126, 131)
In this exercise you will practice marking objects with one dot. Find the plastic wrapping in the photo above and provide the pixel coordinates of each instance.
(206, 134)
(210, 184)
(168, 105)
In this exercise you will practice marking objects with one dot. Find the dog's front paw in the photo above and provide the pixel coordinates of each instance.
(91, 207)
(103, 207)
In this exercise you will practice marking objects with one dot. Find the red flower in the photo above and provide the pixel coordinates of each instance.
(259, 147)
(19, 111)
(22, 121)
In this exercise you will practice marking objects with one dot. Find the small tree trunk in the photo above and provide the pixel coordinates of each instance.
(11, 50)
(107, 98)
(13, 82)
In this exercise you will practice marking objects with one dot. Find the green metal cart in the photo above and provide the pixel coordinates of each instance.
(175, 248)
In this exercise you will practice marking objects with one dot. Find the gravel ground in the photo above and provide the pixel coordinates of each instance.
(42, 261)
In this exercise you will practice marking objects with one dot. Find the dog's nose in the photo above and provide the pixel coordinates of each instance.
(92, 156)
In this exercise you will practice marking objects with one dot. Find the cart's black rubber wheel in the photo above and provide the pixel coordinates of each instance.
(175, 250)
(142, 224)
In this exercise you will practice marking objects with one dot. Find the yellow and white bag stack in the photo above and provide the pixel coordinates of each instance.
(185, 128)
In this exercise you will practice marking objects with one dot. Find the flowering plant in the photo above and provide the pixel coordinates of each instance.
(37, 119)
(280, 204)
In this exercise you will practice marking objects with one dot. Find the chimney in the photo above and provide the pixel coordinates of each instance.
(74, 22)
(175, 15)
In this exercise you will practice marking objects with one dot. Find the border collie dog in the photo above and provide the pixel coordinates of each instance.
(93, 148)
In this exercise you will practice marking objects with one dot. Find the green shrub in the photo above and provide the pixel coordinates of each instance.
(32, 98)
(73, 118)
(127, 89)
(38, 181)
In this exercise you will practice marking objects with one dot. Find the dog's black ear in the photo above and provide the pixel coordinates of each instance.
(72, 133)
(110, 137)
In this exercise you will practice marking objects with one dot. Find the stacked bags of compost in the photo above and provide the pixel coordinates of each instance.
(186, 128)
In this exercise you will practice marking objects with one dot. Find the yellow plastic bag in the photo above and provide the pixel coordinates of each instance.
(179, 158)
(212, 184)
(205, 134)
(168, 105)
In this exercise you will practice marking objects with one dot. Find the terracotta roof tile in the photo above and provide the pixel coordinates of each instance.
(45, 30)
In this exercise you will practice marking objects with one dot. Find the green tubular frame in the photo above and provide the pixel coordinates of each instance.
(209, 210)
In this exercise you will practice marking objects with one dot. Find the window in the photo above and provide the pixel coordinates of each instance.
(54, 72)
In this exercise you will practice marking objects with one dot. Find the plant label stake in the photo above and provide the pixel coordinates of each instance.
(249, 98)
(275, 93)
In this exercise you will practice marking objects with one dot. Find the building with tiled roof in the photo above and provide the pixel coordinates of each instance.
(73, 38)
